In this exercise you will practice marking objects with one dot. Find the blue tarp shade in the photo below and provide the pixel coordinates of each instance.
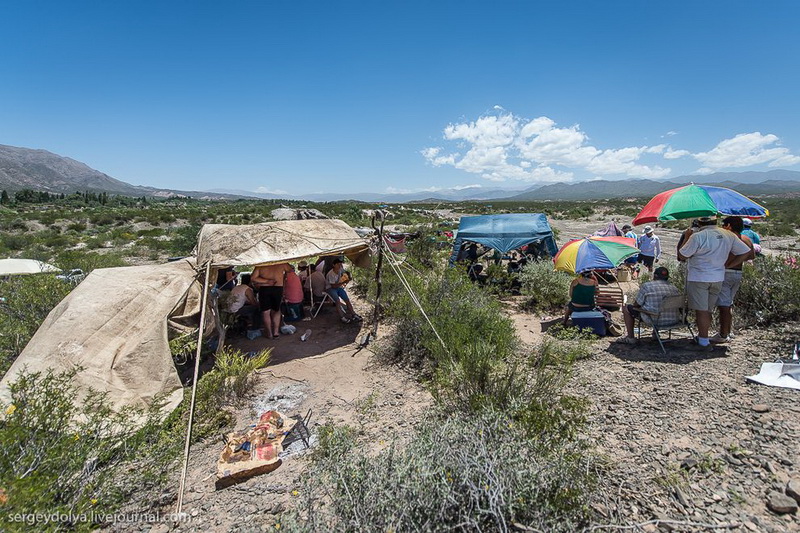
(505, 232)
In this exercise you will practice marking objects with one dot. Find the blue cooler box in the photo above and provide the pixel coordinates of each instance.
(594, 320)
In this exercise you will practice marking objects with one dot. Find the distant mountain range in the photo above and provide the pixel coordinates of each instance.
(25, 168)
(40, 170)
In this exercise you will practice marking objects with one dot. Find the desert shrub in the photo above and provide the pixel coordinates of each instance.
(224, 386)
(769, 291)
(15, 243)
(463, 473)
(59, 458)
(460, 312)
(27, 301)
(546, 289)
(87, 261)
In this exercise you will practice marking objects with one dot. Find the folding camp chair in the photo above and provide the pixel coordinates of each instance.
(669, 305)
(325, 298)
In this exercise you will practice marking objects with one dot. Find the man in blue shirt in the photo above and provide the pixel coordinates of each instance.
(749, 233)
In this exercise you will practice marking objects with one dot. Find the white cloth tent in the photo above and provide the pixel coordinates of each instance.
(10, 267)
(278, 242)
(114, 327)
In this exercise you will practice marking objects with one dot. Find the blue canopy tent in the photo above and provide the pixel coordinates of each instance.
(504, 232)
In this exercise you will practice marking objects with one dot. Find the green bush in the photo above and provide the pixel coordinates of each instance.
(87, 261)
(769, 290)
(58, 458)
(28, 300)
(458, 473)
(546, 289)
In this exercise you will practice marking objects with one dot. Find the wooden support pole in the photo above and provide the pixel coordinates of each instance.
(194, 387)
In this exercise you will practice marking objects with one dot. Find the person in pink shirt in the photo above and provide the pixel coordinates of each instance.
(293, 294)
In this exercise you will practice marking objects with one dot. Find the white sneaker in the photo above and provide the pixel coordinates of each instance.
(718, 339)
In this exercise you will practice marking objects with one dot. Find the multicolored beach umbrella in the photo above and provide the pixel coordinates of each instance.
(693, 201)
(594, 253)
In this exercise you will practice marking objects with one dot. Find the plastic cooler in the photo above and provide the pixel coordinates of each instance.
(594, 320)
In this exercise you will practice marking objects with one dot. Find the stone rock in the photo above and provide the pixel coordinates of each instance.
(688, 463)
(793, 489)
(761, 408)
(781, 503)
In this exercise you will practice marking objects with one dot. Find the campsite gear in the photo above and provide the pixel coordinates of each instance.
(594, 320)
(504, 233)
(10, 267)
(254, 451)
(778, 375)
(151, 304)
(668, 308)
(288, 329)
(253, 334)
(305, 336)
(283, 241)
(593, 253)
(694, 201)
(611, 230)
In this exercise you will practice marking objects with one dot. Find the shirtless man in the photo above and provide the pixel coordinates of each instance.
(269, 282)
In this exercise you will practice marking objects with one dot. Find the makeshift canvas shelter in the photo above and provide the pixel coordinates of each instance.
(10, 267)
(113, 329)
(504, 232)
(278, 242)
(611, 230)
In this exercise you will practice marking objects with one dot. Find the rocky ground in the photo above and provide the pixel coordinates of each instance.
(687, 439)
(687, 443)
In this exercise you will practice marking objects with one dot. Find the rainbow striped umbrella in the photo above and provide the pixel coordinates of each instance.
(692, 201)
(594, 253)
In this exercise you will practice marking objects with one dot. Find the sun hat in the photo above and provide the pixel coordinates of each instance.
(648, 229)
(302, 264)
(747, 222)
(626, 227)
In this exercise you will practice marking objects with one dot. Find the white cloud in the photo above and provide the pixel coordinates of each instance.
(744, 150)
(266, 190)
(675, 154)
(670, 134)
(501, 147)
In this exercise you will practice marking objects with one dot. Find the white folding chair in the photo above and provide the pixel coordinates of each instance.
(325, 297)
(669, 305)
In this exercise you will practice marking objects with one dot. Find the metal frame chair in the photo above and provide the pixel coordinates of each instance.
(668, 303)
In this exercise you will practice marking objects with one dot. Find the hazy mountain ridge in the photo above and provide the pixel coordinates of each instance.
(26, 168)
(40, 170)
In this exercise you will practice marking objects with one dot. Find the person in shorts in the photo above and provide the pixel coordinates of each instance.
(731, 283)
(706, 252)
(335, 280)
(269, 281)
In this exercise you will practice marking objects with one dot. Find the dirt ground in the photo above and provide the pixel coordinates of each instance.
(685, 439)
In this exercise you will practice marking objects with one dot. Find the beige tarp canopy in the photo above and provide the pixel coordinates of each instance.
(115, 326)
(24, 266)
(278, 242)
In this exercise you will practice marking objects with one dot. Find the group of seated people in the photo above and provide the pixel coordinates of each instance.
(584, 289)
(274, 293)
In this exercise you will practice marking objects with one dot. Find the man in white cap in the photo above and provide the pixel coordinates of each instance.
(749, 233)
(708, 251)
(649, 248)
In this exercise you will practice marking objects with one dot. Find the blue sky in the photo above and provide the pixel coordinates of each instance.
(373, 96)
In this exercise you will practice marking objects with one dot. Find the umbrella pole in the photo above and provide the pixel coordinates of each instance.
(194, 388)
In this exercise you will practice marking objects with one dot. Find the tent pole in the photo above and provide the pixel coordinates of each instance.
(194, 387)
(378, 281)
